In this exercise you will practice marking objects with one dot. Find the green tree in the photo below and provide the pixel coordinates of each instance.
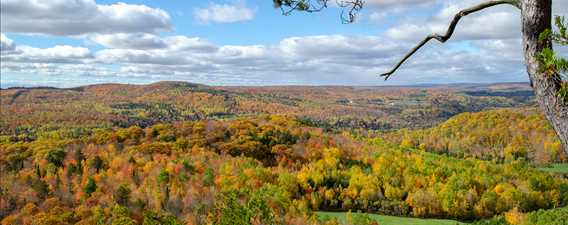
(231, 212)
(98, 163)
(79, 157)
(41, 188)
(122, 195)
(152, 218)
(120, 216)
(547, 217)
(208, 177)
(90, 187)
(56, 157)
(163, 177)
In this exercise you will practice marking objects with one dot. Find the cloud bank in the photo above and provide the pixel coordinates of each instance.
(80, 17)
(125, 40)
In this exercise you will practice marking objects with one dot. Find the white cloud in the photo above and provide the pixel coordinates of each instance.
(500, 22)
(57, 54)
(194, 44)
(6, 44)
(486, 48)
(224, 13)
(377, 16)
(160, 57)
(293, 60)
(80, 17)
(334, 49)
(560, 7)
(129, 41)
(141, 41)
(339, 49)
(333, 59)
(324, 59)
(407, 32)
(53, 69)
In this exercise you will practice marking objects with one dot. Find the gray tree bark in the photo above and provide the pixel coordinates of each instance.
(536, 17)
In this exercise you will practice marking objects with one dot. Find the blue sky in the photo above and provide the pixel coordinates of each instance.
(68, 43)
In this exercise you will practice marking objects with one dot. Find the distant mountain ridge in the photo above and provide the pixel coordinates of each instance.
(369, 107)
(185, 83)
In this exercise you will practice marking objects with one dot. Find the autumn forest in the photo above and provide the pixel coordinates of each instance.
(182, 153)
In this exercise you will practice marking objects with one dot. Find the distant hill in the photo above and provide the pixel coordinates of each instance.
(503, 134)
(377, 108)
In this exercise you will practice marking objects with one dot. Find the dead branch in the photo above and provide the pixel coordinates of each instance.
(451, 28)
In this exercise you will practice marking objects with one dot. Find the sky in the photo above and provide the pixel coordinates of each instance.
(67, 43)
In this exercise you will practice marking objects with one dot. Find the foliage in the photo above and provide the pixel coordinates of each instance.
(548, 217)
(360, 219)
(56, 157)
(552, 63)
(514, 217)
(231, 211)
(497, 135)
(90, 187)
(151, 218)
(558, 216)
(35, 113)
(122, 195)
(499, 220)
(262, 170)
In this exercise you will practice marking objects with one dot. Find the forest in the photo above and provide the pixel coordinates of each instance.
(333, 107)
(103, 145)
(194, 154)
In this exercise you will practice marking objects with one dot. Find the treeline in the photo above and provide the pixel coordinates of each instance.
(499, 135)
(268, 170)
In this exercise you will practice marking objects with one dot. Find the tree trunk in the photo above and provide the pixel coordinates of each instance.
(536, 17)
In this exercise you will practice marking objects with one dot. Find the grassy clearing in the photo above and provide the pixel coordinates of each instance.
(391, 220)
(556, 168)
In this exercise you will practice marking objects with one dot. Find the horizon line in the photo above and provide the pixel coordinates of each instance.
(39, 86)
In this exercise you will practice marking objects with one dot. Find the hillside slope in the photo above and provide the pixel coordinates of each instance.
(503, 134)
(376, 108)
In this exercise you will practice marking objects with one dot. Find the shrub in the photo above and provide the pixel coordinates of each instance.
(122, 195)
(56, 157)
(90, 187)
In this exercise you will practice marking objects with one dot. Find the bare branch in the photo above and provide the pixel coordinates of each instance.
(350, 8)
(353, 6)
(289, 6)
(451, 28)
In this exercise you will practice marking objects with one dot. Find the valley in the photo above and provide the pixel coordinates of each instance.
(182, 153)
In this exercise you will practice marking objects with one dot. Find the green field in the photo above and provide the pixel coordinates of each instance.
(556, 168)
(391, 220)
